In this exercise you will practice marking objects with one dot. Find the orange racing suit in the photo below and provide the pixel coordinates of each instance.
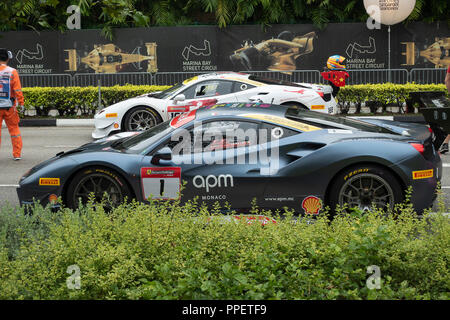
(10, 114)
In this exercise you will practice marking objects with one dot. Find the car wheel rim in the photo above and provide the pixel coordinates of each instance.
(142, 120)
(98, 185)
(365, 190)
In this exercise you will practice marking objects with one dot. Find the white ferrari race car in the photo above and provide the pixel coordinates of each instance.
(145, 111)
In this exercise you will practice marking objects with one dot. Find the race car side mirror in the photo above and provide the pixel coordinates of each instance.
(179, 98)
(164, 153)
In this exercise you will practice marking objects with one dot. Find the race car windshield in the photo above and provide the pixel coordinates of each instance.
(139, 143)
(328, 121)
(274, 81)
(166, 93)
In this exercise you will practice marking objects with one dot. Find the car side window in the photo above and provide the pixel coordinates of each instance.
(221, 135)
(189, 93)
(210, 89)
(207, 89)
(240, 86)
(277, 132)
(213, 88)
(215, 135)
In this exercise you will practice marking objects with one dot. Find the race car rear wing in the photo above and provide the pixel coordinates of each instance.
(435, 108)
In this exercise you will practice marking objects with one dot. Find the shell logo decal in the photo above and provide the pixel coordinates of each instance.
(312, 205)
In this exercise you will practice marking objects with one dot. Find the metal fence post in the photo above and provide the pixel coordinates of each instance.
(428, 76)
(99, 95)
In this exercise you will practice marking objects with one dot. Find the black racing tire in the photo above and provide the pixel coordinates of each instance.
(97, 180)
(140, 118)
(286, 35)
(363, 184)
(250, 58)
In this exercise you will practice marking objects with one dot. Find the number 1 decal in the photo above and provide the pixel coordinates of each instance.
(161, 183)
(161, 187)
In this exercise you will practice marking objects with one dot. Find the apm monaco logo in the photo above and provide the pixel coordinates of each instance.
(312, 205)
(211, 181)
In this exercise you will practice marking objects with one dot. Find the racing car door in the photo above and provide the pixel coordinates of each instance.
(255, 92)
(202, 94)
(215, 164)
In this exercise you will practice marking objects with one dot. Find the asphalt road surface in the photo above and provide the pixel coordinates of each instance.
(42, 143)
(39, 144)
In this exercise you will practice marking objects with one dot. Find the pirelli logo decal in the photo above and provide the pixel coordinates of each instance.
(49, 182)
(423, 174)
(111, 115)
(318, 107)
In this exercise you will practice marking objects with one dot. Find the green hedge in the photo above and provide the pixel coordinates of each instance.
(71, 101)
(379, 96)
(163, 251)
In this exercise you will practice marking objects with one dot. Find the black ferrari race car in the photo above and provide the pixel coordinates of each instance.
(281, 156)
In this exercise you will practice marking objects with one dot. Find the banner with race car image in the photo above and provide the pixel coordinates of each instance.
(287, 48)
(86, 51)
(422, 45)
(158, 49)
(284, 47)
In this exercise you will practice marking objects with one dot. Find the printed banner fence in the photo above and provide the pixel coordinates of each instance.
(197, 49)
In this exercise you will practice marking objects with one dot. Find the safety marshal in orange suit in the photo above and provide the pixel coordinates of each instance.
(11, 97)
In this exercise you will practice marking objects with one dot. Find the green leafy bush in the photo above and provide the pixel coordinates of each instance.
(70, 101)
(172, 251)
(378, 96)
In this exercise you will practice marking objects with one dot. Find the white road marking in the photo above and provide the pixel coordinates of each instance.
(446, 164)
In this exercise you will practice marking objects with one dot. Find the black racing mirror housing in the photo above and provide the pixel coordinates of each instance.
(164, 153)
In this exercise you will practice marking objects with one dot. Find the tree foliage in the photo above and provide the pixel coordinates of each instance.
(109, 14)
